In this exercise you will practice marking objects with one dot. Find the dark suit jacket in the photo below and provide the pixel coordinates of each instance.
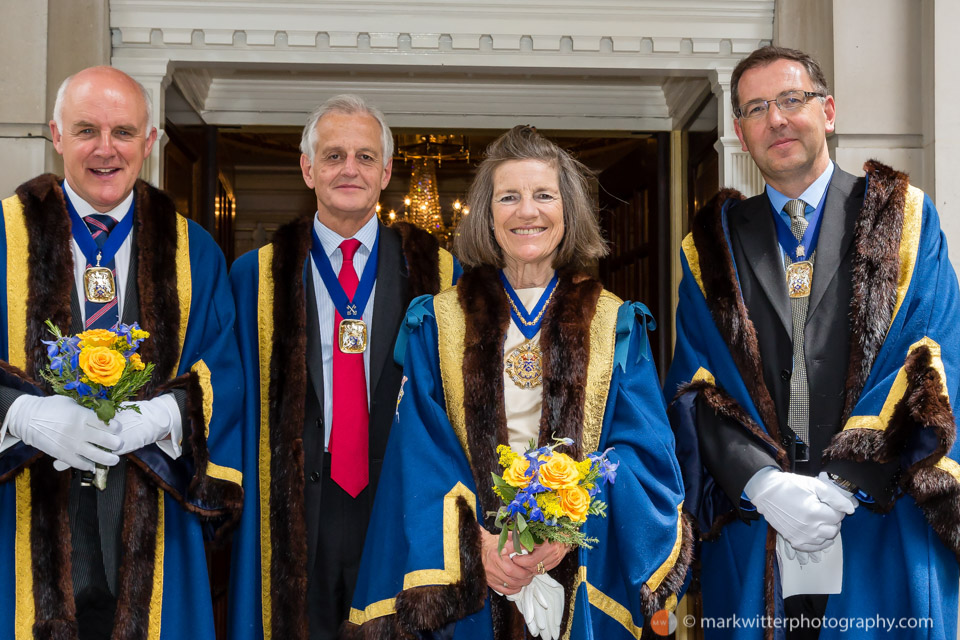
(729, 453)
(390, 304)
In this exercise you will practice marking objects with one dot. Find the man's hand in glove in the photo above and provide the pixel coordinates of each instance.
(64, 430)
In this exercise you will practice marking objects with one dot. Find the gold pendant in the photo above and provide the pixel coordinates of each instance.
(353, 336)
(99, 285)
(799, 279)
(524, 365)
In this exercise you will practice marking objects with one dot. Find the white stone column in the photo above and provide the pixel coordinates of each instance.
(877, 73)
(155, 75)
(23, 120)
(943, 140)
(737, 169)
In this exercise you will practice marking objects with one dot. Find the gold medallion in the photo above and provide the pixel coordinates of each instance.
(353, 336)
(524, 365)
(99, 285)
(799, 279)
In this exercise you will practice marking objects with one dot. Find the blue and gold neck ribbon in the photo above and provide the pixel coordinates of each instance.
(85, 239)
(352, 309)
(788, 241)
(527, 323)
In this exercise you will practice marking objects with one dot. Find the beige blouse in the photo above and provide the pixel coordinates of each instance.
(522, 405)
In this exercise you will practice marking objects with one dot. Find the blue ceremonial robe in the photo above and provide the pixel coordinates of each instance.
(421, 569)
(185, 302)
(899, 565)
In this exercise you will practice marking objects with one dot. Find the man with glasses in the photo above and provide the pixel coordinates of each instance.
(817, 353)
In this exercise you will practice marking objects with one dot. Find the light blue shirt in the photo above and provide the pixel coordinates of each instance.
(811, 196)
(330, 240)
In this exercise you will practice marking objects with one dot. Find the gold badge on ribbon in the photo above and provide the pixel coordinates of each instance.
(524, 365)
(98, 283)
(799, 279)
(353, 336)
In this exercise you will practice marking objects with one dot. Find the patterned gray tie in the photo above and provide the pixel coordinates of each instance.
(799, 393)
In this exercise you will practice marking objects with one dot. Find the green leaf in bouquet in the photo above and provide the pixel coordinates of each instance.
(516, 542)
(503, 539)
(598, 508)
(105, 411)
(504, 490)
(521, 523)
(526, 539)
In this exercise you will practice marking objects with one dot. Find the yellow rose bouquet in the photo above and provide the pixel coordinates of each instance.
(547, 495)
(99, 369)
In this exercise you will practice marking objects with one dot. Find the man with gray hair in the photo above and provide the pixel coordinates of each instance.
(78, 562)
(318, 314)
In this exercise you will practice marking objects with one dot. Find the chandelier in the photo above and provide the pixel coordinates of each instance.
(422, 207)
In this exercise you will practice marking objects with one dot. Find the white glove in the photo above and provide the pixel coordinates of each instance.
(827, 480)
(541, 604)
(806, 511)
(803, 557)
(549, 593)
(527, 607)
(158, 418)
(64, 430)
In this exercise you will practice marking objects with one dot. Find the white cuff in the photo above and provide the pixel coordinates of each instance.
(7, 439)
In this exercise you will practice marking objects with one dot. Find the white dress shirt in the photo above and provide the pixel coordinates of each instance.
(330, 240)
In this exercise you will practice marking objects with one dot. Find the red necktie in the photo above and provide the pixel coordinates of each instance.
(348, 433)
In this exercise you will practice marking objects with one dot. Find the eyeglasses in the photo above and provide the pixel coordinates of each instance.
(786, 101)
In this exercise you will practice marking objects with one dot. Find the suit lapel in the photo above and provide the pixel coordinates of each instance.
(131, 295)
(752, 224)
(389, 302)
(836, 233)
(314, 350)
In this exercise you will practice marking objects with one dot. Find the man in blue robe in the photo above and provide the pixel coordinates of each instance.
(816, 356)
(128, 561)
(297, 552)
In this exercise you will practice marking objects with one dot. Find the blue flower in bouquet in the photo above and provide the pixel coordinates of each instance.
(53, 349)
(515, 507)
(535, 486)
(608, 471)
(78, 386)
(534, 514)
(133, 335)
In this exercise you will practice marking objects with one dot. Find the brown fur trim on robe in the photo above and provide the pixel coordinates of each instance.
(287, 394)
(875, 272)
(722, 293)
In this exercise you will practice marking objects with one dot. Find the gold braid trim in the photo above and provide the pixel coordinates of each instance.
(265, 333)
